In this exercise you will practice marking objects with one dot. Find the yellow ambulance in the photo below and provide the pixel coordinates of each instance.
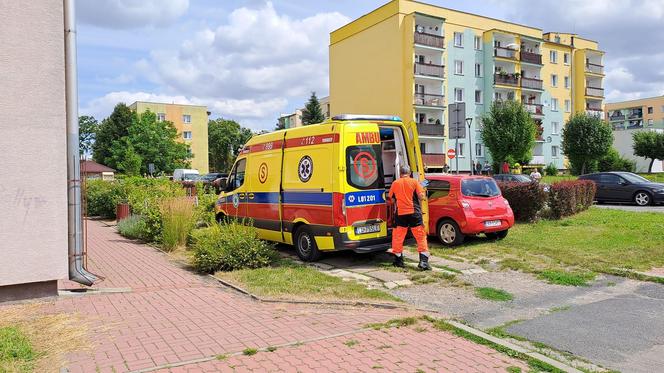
(322, 187)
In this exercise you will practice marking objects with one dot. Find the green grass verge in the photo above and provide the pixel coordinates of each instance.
(493, 294)
(16, 352)
(288, 280)
(597, 240)
(566, 278)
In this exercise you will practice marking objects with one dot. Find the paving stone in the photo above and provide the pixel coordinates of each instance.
(322, 266)
(390, 285)
(387, 276)
(403, 282)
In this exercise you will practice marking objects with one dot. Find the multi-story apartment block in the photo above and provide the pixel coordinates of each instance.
(291, 120)
(191, 121)
(627, 117)
(413, 59)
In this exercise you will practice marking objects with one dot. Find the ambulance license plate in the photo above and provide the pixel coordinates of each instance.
(367, 229)
(492, 223)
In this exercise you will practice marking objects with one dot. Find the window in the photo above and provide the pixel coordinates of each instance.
(478, 96)
(566, 58)
(161, 117)
(478, 150)
(186, 118)
(650, 110)
(186, 135)
(423, 148)
(438, 189)
(458, 94)
(236, 177)
(458, 39)
(458, 67)
(479, 125)
(609, 179)
(650, 122)
(567, 82)
(568, 106)
(478, 43)
(478, 70)
(554, 80)
(460, 150)
(483, 187)
(421, 117)
(554, 128)
(553, 56)
(363, 167)
(554, 104)
(554, 151)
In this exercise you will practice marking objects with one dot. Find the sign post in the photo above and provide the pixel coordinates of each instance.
(457, 121)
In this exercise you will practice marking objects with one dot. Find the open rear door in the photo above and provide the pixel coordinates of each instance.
(416, 164)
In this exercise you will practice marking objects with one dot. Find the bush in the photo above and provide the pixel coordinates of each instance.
(570, 197)
(551, 170)
(133, 227)
(204, 213)
(102, 197)
(526, 200)
(613, 161)
(177, 221)
(229, 247)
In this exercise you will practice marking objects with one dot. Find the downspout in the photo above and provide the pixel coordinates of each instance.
(77, 272)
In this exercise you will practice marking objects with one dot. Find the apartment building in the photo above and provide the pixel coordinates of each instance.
(627, 117)
(191, 121)
(413, 59)
(294, 119)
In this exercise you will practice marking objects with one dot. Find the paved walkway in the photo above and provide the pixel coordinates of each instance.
(165, 315)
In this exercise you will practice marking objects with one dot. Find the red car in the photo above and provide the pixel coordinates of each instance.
(461, 205)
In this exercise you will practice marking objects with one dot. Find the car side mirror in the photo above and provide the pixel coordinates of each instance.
(223, 183)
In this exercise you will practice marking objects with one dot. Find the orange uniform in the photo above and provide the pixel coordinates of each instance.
(408, 192)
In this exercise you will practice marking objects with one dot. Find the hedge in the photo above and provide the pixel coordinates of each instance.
(567, 198)
(526, 200)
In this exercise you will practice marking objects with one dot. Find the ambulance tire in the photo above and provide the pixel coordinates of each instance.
(305, 245)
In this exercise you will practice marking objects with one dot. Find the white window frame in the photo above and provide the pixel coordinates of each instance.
(161, 117)
(478, 70)
(460, 150)
(554, 104)
(554, 128)
(554, 80)
(650, 122)
(456, 94)
(458, 67)
(566, 58)
(184, 135)
(554, 151)
(481, 99)
(184, 118)
(568, 106)
(567, 82)
(478, 124)
(458, 37)
(478, 43)
(479, 147)
(553, 56)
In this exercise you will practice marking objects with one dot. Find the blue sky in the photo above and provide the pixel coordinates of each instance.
(253, 60)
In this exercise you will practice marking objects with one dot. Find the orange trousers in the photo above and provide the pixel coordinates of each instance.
(399, 234)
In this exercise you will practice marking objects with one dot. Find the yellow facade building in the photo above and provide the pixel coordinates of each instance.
(412, 59)
(191, 121)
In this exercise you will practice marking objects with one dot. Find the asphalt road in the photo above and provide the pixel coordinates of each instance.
(657, 208)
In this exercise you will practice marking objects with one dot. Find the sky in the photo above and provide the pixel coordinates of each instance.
(254, 60)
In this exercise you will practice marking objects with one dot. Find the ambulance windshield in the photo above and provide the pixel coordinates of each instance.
(364, 169)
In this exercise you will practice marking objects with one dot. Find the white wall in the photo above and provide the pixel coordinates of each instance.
(622, 141)
(33, 187)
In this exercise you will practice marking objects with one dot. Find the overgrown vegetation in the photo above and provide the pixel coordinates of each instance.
(567, 278)
(133, 227)
(177, 222)
(493, 294)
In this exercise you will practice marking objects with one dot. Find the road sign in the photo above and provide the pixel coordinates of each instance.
(457, 120)
(451, 154)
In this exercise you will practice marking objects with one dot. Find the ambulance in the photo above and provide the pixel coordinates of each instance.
(322, 187)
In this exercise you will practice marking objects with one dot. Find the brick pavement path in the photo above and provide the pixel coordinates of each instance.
(172, 316)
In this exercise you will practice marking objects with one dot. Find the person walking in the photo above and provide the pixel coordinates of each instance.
(409, 195)
(487, 168)
(505, 168)
(536, 175)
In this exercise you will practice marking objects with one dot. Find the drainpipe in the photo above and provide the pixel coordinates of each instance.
(77, 272)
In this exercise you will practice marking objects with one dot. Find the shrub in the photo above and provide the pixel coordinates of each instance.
(177, 221)
(551, 170)
(613, 161)
(570, 197)
(102, 197)
(526, 200)
(204, 213)
(229, 247)
(133, 227)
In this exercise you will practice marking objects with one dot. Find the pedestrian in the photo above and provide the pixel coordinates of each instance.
(478, 168)
(536, 175)
(487, 168)
(505, 168)
(446, 169)
(408, 194)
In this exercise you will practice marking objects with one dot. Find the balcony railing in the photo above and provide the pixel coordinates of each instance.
(425, 99)
(594, 91)
(594, 68)
(505, 53)
(429, 40)
(636, 115)
(620, 117)
(428, 69)
(531, 83)
(537, 109)
(531, 57)
(431, 129)
(433, 159)
(505, 79)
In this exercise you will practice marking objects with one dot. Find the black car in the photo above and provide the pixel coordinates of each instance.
(212, 176)
(625, 187)
(513, 178)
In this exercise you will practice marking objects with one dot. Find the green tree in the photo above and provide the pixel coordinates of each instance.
(509, 132)
(131, 162)
(225, 138)
(312, 112)
(87, 129)
(649, 144)
(112, 129)
(586, 139)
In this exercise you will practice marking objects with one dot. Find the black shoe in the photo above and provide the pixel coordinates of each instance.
(424, 263)
(398, 261)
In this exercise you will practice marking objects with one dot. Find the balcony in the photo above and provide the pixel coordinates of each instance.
(594, 68)
(430, 40)
(594, 91)
(617, 117)
(425, 99)
(431, 129)
(635, 115)
(537, 109)
(506, 79)
(508, 53)
(531, 57)
(530, 83)
(433, 160)
(428, 69)
(594, 111)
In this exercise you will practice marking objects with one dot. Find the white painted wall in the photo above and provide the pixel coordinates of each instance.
(33, 187)
(622, 141)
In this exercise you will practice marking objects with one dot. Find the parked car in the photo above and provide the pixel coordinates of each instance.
(212, 176)
(183, 174)
(461, 205)
(518, 178)
(625, 187)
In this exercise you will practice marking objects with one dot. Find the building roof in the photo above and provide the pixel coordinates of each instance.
(92, 167)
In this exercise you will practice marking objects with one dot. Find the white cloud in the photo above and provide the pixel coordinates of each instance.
(124, 14)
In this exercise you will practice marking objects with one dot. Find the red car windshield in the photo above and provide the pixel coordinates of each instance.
(479, 188)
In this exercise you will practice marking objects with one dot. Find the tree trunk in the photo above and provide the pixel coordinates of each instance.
(583, 168)
(652, 161)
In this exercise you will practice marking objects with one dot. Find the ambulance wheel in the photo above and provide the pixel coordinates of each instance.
(305, 245)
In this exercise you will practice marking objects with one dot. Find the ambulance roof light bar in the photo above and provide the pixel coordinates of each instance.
(390, 118)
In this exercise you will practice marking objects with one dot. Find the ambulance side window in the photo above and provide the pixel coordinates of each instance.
(364, 167)
(236, 178)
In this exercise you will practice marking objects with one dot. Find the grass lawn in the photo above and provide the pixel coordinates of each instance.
(16, 352)
(290, 280)
(592, 241)
(493, 294)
